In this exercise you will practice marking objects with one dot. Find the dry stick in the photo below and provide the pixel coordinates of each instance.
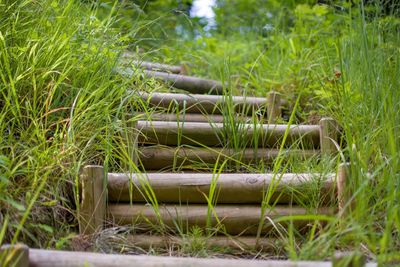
(328, 136)
(236, 219)
(195, 133)
(242, 242)
(14, 255)
(273, 107)
(93, 205)
(188, 83)
(51, 258)
(233, 187)
(159, 157)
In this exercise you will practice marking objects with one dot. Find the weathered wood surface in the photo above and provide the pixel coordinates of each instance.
(14, 255)
(273, 107)
(239, 219)
(52, 258)
(237, 243)
(159, 67)
(188, 83)
(209, 104)
(164, 157)
(231, 187)
(329, 134)
(218, 134)
(93, 200)
(188, 117)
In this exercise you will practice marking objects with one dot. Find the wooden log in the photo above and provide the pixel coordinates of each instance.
(188, 83)
(92, 209)
(212, 134)
(159, 67)
(230, 187)
(207, 104)
(274, 107)
(189, 117)
(328, 136)
(51, 258)
(343, 192)
(239, 219)
(245, 243)
(162, 157)
(14, 255)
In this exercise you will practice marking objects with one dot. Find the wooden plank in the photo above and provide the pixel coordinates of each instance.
(51, 258)
(212, 134)
(93, 203)
(164, 157)
(206, 104)
(239, 219)
(274, 107)
(188, 83)
(328, 136)
(231, 187)
(14, 255)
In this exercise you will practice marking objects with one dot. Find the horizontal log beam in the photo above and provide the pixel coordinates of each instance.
(189, 117)
(243, 243)
(240, 219)
(161, 157)
(209, 104)
(230, 187)
(188, 83)
(158, 67)
(212, 134)
(51, 258)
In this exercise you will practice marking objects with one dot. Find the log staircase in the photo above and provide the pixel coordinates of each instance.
(178, 181)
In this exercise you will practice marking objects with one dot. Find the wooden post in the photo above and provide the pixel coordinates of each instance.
(342, 190)
(328, 135)
(93, 205)
(14, 256)
(273, 106)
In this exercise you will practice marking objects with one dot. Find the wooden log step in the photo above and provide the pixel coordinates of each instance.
(244, 243)
(240, 219)
(230, 187)
(188, 83)
(189, 117)
(51, 258)
(212, 134)
(161, 157)
(160, 67)
(207, 104)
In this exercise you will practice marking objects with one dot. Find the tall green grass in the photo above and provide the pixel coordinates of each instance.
(61, 106)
